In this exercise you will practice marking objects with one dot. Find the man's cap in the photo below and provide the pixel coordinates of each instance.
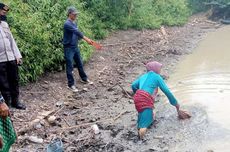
(72, 10)
(4, 7)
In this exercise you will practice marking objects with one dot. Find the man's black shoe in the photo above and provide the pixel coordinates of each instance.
(19, 105)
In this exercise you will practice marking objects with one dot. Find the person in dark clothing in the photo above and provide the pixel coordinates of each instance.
(10, 58)
(71, 50)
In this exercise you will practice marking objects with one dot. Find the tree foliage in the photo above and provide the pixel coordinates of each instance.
(123, 14)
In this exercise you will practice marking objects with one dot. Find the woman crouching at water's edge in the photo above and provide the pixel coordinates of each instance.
(145, 89)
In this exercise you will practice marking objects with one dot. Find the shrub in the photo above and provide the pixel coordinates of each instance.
(154, 13)
(123, 14)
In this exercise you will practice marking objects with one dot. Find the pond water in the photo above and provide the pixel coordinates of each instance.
(202, 80)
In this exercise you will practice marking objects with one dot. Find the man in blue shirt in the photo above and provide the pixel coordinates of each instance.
(72, 52)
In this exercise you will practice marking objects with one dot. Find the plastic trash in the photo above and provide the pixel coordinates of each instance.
(35, 139)
(51, 119)
(95, 129)
(55, 145)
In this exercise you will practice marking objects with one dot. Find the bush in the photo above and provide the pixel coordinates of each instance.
(123, 14)
(160, 12)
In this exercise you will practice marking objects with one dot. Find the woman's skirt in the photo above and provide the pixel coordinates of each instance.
(145, 118)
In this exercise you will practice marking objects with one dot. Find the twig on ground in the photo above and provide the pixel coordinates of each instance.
(122, 43)
(90, 136)
(106, 146)
(125, 92)
(33, 92)
(16, 119)
(66, 122)
(91, 123)
(112, 86)
(59, 110)
(129, 55)
(40, 117)
(117, 117)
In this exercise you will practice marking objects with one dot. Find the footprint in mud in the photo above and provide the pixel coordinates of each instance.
(113, 147)
(131, 136)
(115, 131)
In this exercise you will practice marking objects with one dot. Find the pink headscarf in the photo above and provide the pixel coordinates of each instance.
(154, 66)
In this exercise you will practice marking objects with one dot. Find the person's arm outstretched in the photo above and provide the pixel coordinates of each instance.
(181, 114)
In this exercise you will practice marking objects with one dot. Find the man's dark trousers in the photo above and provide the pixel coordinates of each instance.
(73, 53)
(9, 82)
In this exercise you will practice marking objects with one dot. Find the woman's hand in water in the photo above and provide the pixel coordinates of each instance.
(182, 114)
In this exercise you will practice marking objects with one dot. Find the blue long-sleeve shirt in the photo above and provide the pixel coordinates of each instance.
(151, 81)
(71, 34)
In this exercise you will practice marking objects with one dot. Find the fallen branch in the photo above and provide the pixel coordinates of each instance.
(58, 110)
(117, 117)
(211, 22)
(122, 43)
(66, 122)
(16, 119)
(92, 123)
(40, 117)
(33, 92)
(125, 92)
(112, 86)
(129, 55)
(90, 136)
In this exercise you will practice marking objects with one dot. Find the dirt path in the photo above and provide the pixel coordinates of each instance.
(112, 70)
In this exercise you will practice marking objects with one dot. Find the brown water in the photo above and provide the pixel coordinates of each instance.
(202, 80)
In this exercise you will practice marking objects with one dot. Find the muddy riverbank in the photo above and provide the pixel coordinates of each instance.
(202, 79)
(106, 103)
